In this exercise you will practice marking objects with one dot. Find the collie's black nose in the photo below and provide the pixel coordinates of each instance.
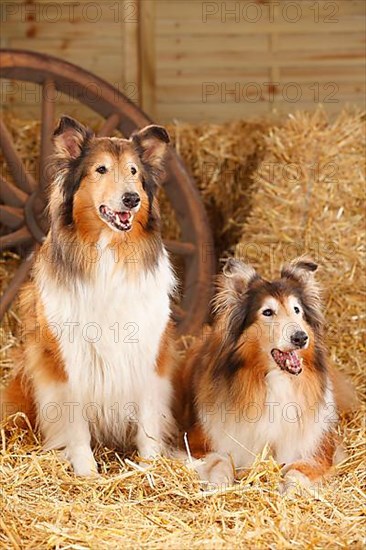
(299, 338)
(131, 199)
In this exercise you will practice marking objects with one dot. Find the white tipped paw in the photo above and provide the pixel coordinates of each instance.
(216, 469)
(294, 482)
(150, 452)
(82, 462)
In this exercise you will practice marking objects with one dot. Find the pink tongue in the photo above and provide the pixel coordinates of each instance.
(287, 360)
(124, 216)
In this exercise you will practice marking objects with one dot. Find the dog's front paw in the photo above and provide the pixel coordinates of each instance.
(82, 462)
(294, 483)
(216, 469)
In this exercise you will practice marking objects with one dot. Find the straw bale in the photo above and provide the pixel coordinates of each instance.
(222, 159)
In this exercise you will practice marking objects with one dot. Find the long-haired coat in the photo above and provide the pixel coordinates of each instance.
(97, 359)
(261, 377)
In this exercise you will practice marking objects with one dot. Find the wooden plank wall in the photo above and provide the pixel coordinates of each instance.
(101, 37)
(200, 60)
(221, 60)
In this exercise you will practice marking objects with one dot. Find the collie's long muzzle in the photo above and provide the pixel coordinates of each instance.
(288, 361)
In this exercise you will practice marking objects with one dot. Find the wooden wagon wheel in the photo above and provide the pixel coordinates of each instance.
(23, 205)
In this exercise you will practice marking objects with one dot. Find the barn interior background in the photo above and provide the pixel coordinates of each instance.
(264, 101)
(197, 60)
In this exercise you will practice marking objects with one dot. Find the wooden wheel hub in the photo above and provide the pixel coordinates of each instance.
(22, 205)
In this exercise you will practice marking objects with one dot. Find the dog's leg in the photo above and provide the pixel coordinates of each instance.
(149, 437)
(309, 473)
(78, 450)
(154, 419)
(63, 426)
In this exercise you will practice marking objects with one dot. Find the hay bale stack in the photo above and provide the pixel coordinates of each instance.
(222, 159)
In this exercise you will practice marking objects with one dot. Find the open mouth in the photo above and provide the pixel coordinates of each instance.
(121, 221)
(288, 361)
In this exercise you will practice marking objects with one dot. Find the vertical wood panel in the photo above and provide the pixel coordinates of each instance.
(147, 56)
(131, 50)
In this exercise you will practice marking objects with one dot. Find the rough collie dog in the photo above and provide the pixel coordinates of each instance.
(97, 352)
(261, 377)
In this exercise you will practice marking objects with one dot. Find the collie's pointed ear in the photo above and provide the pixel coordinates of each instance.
(301, 269)
(237, 275)
(70, 137)
(232, 283)
(151, 144)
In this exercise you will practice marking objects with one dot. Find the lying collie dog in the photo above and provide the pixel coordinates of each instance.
(261, 377)
(97, 359)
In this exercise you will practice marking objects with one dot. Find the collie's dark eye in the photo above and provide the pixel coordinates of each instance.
(296, 309)
(101, 170)
(268, 312)
(133, 170)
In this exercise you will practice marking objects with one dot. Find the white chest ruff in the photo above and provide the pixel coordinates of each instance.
(109, 333)
(290, 428)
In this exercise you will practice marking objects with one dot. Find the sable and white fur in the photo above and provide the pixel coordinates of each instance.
(234, 399)
(97, 356)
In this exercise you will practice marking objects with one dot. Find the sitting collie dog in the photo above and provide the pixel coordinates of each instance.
(261, 377)
(97, 358)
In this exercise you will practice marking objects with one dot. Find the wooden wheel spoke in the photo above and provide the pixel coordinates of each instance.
(33, 221)
(18, 279)
(48, 121)
(109, 125)
(11, 217)
(16, 238)
(24, 179)
(10, 194)
(181, 248)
